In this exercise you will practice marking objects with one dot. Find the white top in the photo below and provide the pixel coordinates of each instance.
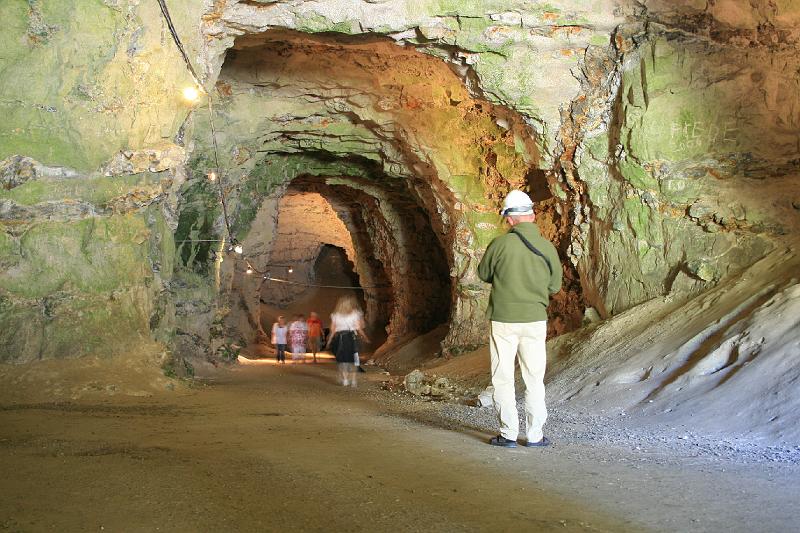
(280, 333)
(351, 321)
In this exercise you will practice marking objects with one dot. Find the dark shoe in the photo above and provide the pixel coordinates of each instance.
(361, 369)
(544, 442)
(502, 441)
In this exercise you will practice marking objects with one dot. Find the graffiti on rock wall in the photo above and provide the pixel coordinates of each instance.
(690, 135)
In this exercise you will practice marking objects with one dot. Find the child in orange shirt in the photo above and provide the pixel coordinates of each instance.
(314, 333)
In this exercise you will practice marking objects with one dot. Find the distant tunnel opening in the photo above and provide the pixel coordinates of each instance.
(336, 241)
(332, 267)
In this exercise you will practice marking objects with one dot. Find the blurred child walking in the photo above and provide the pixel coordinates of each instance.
(298, 334)
(279, 333)
(314, 333)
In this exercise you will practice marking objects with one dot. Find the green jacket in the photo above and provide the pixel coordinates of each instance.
(521, 282)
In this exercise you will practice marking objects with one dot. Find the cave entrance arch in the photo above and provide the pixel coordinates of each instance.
(414, 163)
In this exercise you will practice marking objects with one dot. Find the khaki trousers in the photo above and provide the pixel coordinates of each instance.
(528, 340)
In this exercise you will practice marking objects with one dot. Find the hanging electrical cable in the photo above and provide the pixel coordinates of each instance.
(216, 174)
(165, 11)
(265, 276)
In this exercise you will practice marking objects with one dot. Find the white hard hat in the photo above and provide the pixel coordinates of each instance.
(517, 203)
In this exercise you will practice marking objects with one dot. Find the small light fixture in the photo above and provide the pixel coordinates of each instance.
(191, 94)
(234, 246)
(290, 270)
(249, 270)
(212, 176)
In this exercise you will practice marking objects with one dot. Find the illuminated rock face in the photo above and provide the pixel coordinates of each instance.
(306, 223)
(658, 138)
(373, 124)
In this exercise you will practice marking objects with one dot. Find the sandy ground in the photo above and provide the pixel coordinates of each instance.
(262, 448)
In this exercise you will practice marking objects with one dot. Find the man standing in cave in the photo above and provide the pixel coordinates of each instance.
(524, 270)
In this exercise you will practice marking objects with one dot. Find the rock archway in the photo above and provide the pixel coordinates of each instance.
(400, 263)
(394, 141)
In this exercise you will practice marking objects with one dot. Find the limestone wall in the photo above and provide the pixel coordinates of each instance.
(660, 138)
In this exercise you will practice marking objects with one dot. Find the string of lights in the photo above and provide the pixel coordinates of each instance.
(165, 11)
(215, 175)
(265, 276)
(192, 94)
(320, 286)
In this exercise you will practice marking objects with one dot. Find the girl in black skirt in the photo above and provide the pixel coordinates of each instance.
(347, 329)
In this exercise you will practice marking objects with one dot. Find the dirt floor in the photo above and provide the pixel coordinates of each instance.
(262, 447)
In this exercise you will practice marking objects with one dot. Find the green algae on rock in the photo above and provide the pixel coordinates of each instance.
(662, 155)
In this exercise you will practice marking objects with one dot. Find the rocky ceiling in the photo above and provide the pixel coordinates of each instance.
(392, 132)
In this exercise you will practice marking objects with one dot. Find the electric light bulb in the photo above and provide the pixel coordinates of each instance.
(191, 93)
(249, 270)
(238, 249)
(212, 176)
(290, 270)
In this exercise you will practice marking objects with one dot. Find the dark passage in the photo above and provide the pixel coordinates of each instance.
(333, 268)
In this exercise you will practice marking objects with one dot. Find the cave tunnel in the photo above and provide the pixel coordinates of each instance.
(383, 152)
(329, 235)
(169, 185)
(333, 268)
(334, 235)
